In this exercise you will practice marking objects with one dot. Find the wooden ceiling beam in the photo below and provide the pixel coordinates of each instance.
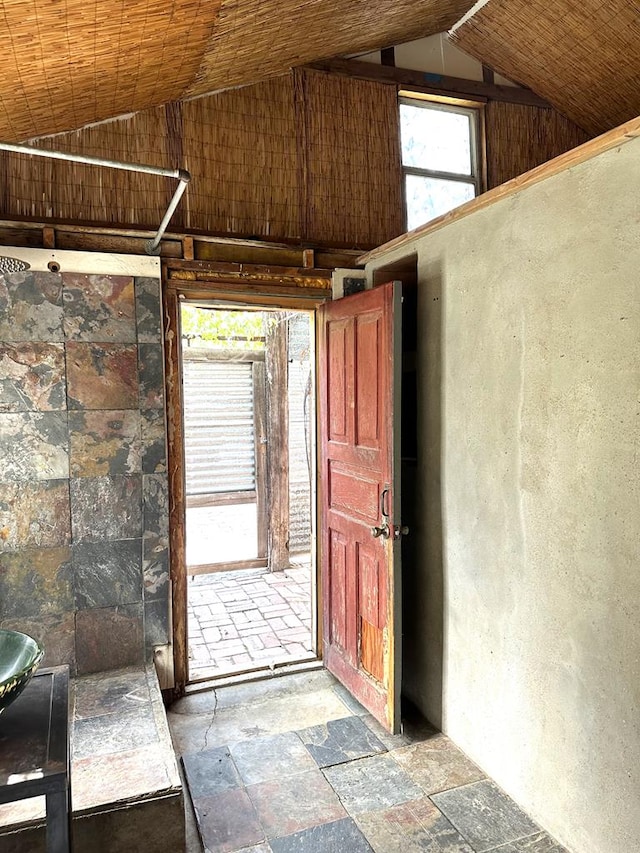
(432, 84)
(31, 233)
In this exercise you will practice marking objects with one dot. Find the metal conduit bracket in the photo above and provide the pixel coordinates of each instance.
(152, 247)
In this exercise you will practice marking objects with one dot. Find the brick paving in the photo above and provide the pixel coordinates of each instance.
(249, 619)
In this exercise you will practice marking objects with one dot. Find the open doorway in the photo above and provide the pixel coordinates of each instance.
(248, 412)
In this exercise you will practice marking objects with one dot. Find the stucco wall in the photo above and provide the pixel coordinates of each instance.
(525, 626)
(83, 483)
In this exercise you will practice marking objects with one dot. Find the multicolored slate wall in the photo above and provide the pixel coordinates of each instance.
(83, 484)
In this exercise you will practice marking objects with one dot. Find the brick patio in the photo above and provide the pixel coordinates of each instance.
(249, 619)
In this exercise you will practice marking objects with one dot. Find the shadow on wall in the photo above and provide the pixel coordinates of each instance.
(423, 574)
(421, 424)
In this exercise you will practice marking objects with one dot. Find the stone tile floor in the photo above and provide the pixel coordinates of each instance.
(294, 764)
(249, 619)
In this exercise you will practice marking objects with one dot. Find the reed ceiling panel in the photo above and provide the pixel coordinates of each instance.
(72, 63)
(584, 58)
(307, 157)
(67, 64)
(254, 40)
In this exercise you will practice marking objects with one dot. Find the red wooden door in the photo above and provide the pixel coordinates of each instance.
(360, 555)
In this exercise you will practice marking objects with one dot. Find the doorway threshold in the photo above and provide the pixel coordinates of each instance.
(249, 620)
(199, 685)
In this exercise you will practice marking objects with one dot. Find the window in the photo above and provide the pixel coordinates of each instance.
(439, 158)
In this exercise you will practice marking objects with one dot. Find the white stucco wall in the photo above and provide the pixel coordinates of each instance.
(527, 615)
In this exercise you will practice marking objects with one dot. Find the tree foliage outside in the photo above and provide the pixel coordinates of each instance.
(221, 328)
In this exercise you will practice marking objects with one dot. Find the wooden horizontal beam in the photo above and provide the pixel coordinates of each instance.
(209, 280)
(34, 234)
(285, 256)
(265, 296)
(431, 84)
(211, 568)
(612, 139)
(230, 269)
(219, 289)
(238, 356)
(220, 498)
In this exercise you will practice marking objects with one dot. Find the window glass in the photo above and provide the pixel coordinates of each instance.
(427, 197)
(435, 139)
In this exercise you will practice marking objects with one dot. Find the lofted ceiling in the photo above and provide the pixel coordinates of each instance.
(583, 57)
(68, 63)
(253, 40)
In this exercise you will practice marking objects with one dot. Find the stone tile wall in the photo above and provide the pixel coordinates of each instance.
(83, 484)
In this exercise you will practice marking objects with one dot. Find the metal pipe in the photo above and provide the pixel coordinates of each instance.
(181, 174)
(153, 245)
(95, 161)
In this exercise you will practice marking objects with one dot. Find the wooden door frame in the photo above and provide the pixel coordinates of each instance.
(277, 432)
(269, 287)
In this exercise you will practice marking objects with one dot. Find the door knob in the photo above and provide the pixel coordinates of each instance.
(382, 531)
(398, 532)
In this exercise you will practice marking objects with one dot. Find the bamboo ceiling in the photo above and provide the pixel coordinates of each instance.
(584, 57)
(68, 64)
(256, 40)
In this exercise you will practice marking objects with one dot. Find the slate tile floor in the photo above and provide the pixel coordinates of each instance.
(249, 619)
(294, 765)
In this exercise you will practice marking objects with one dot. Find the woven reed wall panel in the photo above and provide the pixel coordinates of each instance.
(252, 41)
(67, 64)
(304, 156)
(520, 138)
(43, 188)
(584, 58)
(352, 179)
(307, 156)
(241, 149)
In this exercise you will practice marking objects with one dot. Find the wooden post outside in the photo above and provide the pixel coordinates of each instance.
(277, 440)
(260, 444)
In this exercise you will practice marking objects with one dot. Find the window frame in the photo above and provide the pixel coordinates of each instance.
(471, 108)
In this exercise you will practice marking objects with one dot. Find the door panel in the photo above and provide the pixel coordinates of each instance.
(336, 383)
(368, 370)
(360, 570)
(353, 493)
(337, 590)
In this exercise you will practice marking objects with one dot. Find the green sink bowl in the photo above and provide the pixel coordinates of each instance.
(19, 659)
